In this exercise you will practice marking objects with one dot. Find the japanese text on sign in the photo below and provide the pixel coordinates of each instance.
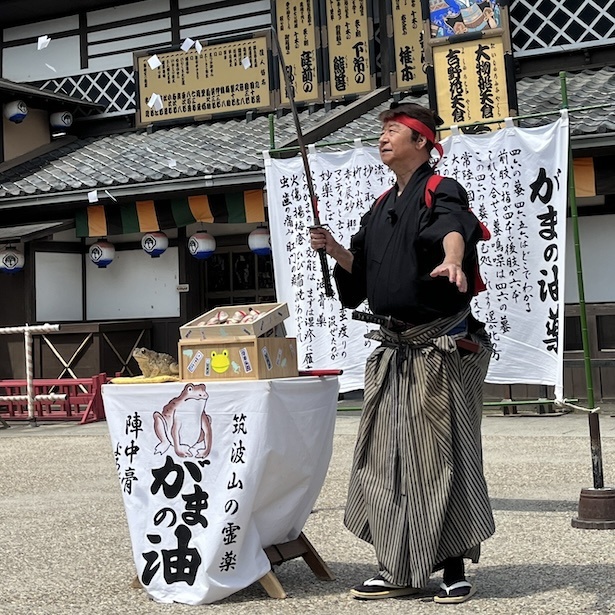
(348, 42)
(296, 30)
(471, 81)
(408, 43)
(223, 78)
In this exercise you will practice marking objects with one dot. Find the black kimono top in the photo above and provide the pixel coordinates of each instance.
(400, 242)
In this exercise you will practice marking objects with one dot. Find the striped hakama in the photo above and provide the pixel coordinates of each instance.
(417, 490)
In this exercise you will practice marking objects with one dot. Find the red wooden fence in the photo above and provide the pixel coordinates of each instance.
(83, 401)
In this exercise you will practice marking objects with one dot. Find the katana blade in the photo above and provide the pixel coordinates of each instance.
(306, 164)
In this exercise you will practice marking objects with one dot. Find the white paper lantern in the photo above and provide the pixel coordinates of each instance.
(102, 253)
(15, 111)
(259, 241)
(61, 120)
(201, 245)
(11, 260)
(155, 243)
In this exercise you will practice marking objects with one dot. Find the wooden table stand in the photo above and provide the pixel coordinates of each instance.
(278, 554)
(284, 552)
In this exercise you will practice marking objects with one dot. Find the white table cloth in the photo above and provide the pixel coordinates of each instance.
(200, 510)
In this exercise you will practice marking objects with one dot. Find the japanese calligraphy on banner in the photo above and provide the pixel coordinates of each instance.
(348, 40)
(450, 17)
(408, 44)
(470, 80)
(517, 183)
(199, 469)
(346, 184)
(516, 180)
(296, 28)
(223, 78)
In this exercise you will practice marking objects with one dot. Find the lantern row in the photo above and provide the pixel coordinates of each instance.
(201, 245)
(17, 110)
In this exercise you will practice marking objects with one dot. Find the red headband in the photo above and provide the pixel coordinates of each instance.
(421, 128)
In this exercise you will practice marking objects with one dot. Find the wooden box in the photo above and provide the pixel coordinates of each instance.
(237, 358)
(271, 314)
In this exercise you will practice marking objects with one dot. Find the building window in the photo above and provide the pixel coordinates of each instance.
(573, 339)
(605, 326)
(238, 277)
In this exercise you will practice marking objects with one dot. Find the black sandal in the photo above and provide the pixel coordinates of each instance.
(378, 587)
(456, 593)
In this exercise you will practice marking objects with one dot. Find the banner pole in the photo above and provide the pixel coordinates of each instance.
(574, 215)
(597, 505)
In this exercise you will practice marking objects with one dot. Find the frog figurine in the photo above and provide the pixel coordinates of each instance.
(154, 363)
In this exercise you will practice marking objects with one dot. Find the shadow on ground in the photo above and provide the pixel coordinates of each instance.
(520, 505)
(494, 582)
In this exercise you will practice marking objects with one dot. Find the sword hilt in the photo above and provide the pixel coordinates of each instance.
(326, 275)
(324, 265)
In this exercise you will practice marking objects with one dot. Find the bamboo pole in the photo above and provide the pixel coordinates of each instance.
(594, 419)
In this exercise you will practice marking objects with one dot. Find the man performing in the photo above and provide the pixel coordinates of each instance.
(417, 491)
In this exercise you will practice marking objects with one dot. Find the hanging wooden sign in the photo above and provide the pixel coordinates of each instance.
(349, 49)
(222, 78)
(470, 81)
(296, 23)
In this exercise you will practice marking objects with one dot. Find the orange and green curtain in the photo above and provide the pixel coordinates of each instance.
(157, 215)
(593, 176)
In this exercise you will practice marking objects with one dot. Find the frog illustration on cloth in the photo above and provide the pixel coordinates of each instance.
(189, 430)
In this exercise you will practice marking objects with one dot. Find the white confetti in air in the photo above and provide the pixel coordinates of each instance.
(43, 42)
(110, 196)
(93, 196)
(187, 44)
(154, 62)
(198, 46)
(246, 63)
(172, 163)
(155, 102)
(51, 67)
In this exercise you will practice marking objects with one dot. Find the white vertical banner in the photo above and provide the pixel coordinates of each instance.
(347, 184)
(516, 179)
(517, 182)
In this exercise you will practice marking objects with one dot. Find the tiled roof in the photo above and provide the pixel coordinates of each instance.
(31, 231)
(10, 89)
(198, 149)
(535, 95)
(585, 89)
(226, 147)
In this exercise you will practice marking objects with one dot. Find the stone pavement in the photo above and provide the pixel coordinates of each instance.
(65, 550)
